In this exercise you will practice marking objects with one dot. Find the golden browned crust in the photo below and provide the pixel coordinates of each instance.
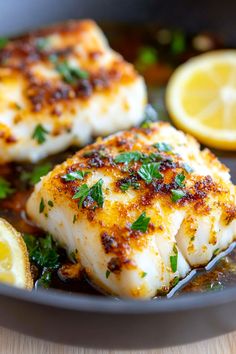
(53, 94)
(201, 193)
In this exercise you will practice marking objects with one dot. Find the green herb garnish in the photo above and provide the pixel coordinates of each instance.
(177, 194)
(41, 206)
(5, 188)
(45, 280)
(39, 134)
(147, 56)
(216, 252)
(178, 43)
(72, 176)
(69, 73)
(81, 193)
(141, 224)
(143, 274)
(179, 179)
(150, 171)
(3, 42)
(130, 183)
(175, 281)
(35, 175)
(50, 203)
(108, 272)
(42, 251)
(163, 147)
(127, 157)
(174, 259)
(95, 192)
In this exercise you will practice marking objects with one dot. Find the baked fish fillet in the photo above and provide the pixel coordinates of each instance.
(140, 208)
(61, 86)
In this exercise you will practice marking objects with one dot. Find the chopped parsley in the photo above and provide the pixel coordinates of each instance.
(143, 274)
(50, 203)
(95, 192)
(81, 194)
(177, 194)
(147, 56)
(174, 259)
(45, 280)
(149, 171)
(141, 224)
(5, 188)
(74, 175)
(39, 134)
(41, 206)
(3, 42)
(69, 73)
(127, 157)
(179, 179)
(74, 219)
(175, 281)
(216, 252)
(108, 272)
(35, 175)
(124, 186)
(163, 147)
(43, 252)
(178, 43)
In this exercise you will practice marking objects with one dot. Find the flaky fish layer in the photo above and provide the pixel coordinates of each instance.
(139, 209)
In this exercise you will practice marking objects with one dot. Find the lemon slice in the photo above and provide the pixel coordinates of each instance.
(201, 98)
(14, 261)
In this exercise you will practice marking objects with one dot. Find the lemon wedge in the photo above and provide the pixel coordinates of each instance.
(201, 98)
(14, 261)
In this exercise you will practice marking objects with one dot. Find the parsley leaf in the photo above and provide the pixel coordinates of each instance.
(69, 73)
(81, 193)
(141, 224)
(163, 147)
(72, 176)
(147, 56)
(150, 171)
(179, 179)
(42, 251)
(124, 186)
(174, 259)
(39, 134)
(35, 175)
(108, 272)
(175, 281)
(177, 194)
(127, 157)
(45, 280)
(3, 42)
(41, 206)
(144, 274)
(5, 188)
(178, 44)
(95, 192)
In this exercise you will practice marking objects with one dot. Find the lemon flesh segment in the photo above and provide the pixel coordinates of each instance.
(201, 98)
(14, 261)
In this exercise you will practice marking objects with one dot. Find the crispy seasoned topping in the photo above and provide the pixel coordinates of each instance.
(72, 60)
